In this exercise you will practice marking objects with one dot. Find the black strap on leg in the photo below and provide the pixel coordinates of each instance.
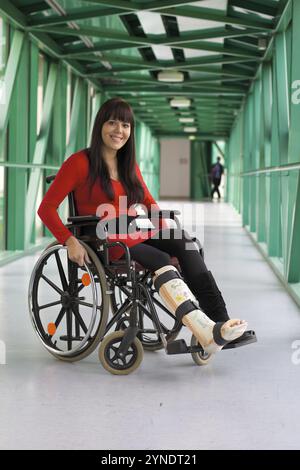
(186, 307)
(165, 277)
(218, 339)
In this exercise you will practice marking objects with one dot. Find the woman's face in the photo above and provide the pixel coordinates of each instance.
(115, 134)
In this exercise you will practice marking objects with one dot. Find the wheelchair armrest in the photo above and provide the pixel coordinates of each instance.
(200, 247)
(83, 219)
(78, 221)
(50, 178)
(126, 261)
(102, 229)
(164, 213)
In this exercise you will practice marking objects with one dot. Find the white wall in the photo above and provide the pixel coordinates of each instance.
(175, 168)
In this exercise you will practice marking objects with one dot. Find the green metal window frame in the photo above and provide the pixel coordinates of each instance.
(30, 156)
(267, 134)
(4, 40)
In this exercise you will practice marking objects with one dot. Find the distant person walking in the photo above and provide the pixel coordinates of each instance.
(217, 171)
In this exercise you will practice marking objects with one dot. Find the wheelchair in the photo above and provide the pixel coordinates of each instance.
(105, 303)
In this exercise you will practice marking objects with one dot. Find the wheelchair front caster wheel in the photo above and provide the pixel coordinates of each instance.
(200, 358)
(110, 359)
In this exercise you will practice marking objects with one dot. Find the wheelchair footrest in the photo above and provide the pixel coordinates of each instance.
(178, 346)
(247, 338)
(74, 338)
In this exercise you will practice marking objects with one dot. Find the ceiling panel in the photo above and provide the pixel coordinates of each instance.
(121, 46)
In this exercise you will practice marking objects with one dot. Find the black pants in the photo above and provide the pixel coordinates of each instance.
(156, 252)
(216, 183)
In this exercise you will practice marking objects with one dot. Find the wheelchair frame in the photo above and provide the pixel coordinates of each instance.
(135, 284)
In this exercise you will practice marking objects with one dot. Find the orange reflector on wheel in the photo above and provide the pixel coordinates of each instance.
(51, 329)
(86, 280)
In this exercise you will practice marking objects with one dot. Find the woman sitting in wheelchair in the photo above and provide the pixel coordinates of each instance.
(104, 173)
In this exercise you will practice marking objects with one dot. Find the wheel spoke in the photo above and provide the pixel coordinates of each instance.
(160, 305)
(54, 286)
(69, 328)
(85, 304)
(123, 360)
(79, 318)
(51, 304)
(129, 353)
(115, 350)
(72, 273)
(62, 275)
(80, 288)
(60, 316)
(163, 327)
(58, 320)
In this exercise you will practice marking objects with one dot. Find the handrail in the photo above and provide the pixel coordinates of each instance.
(28, 165)
(274, 169)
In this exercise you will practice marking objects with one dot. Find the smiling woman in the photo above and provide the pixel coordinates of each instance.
(115, 134)
(103, 174)
(90, 174)
(112, 151)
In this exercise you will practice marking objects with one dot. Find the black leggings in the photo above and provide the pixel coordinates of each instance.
(156, 252)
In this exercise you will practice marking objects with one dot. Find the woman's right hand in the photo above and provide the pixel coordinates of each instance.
(76, 252)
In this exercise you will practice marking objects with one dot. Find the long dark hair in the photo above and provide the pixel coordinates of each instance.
(118, 109)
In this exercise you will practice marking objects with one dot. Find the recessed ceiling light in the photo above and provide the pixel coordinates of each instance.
(190, 129)
(186, 119)
(180, 102)
(262, 44)
(170, 76)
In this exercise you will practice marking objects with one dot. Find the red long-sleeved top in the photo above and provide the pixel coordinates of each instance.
(72, 176)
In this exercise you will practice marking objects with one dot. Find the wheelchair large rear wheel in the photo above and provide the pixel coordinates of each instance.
(68, 305)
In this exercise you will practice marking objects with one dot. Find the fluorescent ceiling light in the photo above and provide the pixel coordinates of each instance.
(190, 129)
(180, 102)
(186, 119)
(170, 76)
(151, 21)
